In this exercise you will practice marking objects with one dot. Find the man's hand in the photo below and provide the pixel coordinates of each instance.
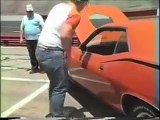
(21, 40)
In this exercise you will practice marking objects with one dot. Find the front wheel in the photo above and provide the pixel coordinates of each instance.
(140, 109)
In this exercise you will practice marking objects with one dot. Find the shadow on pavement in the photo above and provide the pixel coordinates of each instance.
(91, 104)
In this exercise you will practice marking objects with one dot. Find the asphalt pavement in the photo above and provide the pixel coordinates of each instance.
(26, 95)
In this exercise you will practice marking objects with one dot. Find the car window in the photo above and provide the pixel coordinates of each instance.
(122, 44)
(98, 20)
(108, 43)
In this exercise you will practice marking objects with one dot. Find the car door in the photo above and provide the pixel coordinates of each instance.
(93, 70)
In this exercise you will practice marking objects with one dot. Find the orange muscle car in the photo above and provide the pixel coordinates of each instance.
(118, 59)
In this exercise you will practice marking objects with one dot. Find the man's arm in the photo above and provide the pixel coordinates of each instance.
(41, 21)
(66, 36)
(21, 32)
(67, 32)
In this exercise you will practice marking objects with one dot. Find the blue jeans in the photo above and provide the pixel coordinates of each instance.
(53, 63)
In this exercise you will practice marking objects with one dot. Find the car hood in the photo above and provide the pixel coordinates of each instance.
(93, 17)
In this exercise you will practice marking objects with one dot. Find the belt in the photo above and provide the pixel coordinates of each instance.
(51, 48)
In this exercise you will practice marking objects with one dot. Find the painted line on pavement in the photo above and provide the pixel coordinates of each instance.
(78, 105)
(24, 101)
(72, 69)
(106, 118)
(20, 47)
(24, 79)
(36, 93)
(9, 68)
(88, 114)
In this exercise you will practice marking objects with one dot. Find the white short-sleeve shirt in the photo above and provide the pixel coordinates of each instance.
(50, 35)
(32, 27)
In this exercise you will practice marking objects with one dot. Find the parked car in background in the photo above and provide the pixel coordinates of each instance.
(119, 60)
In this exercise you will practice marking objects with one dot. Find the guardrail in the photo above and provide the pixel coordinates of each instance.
(11, 41)
(15, 41)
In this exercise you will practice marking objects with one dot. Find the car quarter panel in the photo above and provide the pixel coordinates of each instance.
(134, 72)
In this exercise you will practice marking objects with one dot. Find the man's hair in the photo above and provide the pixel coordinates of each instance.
(78, 2)
(81, 1)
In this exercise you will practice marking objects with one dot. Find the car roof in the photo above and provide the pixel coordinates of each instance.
(86, 27)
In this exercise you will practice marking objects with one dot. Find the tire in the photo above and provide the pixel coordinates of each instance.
(140, 109)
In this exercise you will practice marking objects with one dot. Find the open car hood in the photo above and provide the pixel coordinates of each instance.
(93, 17)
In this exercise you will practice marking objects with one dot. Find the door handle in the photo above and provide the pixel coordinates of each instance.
(101, 67)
